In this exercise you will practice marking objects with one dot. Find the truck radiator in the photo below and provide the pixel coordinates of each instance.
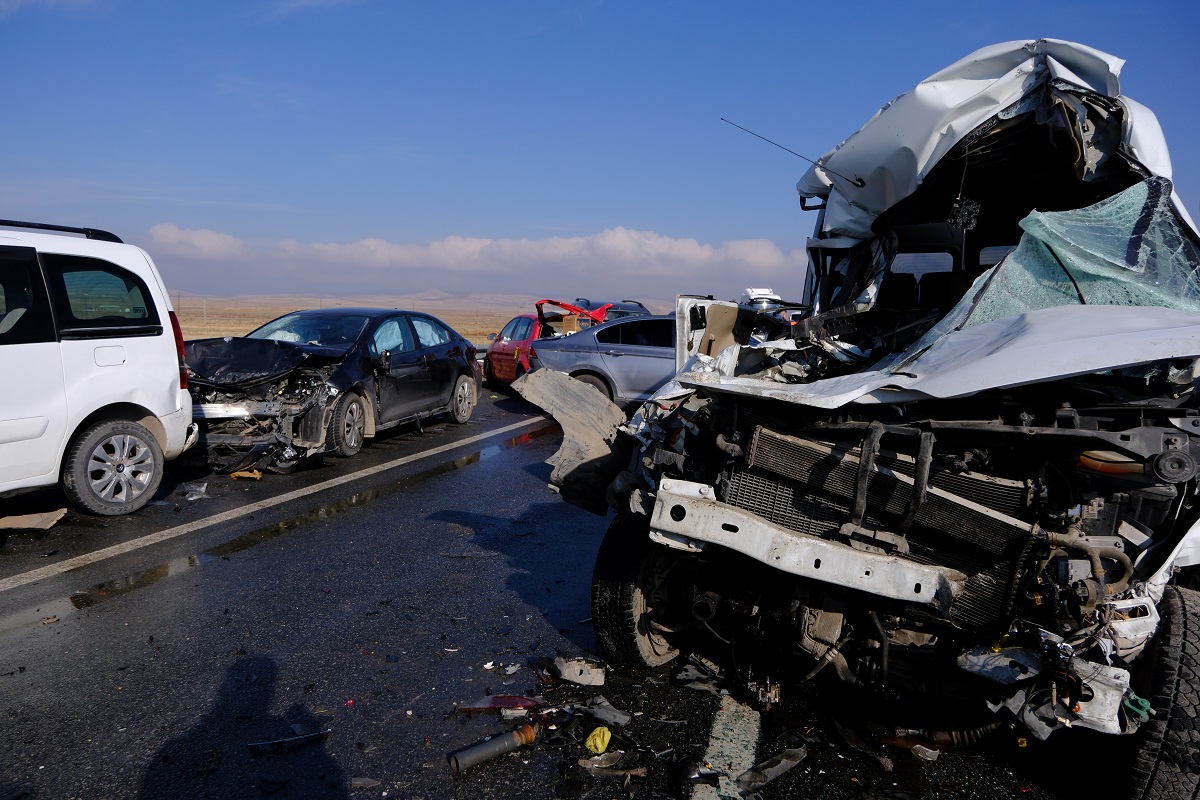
(964, 523)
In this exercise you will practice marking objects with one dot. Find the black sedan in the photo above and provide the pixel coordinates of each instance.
(323, 380)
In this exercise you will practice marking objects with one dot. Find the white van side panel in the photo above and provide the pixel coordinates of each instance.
(33, 414)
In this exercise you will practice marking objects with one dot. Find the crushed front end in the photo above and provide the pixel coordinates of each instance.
(960, 473)
(260, 403)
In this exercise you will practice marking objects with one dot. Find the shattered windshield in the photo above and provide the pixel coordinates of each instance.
(1128, 250)
(322, 331)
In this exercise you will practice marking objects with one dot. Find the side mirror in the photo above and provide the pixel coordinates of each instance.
(491, 337)
(385, 359)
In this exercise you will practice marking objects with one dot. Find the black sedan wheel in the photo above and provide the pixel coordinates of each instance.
(348, 426)
(462, 402)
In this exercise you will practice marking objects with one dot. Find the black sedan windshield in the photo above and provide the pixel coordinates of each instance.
(322, 330)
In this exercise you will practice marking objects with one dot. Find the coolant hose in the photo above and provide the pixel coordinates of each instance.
(1074, 540)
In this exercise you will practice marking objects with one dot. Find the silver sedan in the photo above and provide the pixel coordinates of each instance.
(627, 359)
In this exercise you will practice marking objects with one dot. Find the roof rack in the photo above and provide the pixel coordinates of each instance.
(91, 233)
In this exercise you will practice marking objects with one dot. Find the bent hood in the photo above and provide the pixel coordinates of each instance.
(887, 159)
(1033, 347)
(236, 361)
(1098, 288)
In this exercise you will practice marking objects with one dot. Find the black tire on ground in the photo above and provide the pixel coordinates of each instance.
(462, 400)
(347, 427)
(1166, 761)
(627, 581)
(596, 381)
(114, 467)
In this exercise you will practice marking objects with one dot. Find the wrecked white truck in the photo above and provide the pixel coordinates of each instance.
(962, 473)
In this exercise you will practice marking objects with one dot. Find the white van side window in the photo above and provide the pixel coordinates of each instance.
(24, 305)
(93, 297)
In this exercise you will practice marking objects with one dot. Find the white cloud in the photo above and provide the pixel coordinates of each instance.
(616, 251)
(617, 261)
(204, 245)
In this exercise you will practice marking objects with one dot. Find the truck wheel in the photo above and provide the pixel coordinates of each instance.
(114, 467)
(462, 401)
(632, 597)
(348, 426)
(1166, 761)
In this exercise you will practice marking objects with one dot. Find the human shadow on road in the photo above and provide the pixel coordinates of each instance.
(212, 760)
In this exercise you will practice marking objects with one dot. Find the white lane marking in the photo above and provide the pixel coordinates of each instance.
(154, 538)
(732, 746)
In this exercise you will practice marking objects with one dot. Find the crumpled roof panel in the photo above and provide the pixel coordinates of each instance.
(893, 152)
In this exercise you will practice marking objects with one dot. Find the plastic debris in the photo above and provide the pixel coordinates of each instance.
(597, 741)
(608, 759)
(693, 677)
(254, 474)
(702, 772)
(499, 701)
(194, 491)
(925, 753)
(580, 670)
(855, 741)
(490, 748)
(754, 779)
(287, 743)
(597, 771)
(363, 783)
(603, 711)
(32, 522)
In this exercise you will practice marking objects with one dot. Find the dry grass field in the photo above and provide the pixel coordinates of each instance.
(202, 317)
(474, 316)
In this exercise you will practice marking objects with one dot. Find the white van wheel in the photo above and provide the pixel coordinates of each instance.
(112, 468)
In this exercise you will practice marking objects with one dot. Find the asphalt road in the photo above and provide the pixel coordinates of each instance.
(371, 598)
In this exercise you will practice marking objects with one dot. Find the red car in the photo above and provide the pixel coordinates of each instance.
(508, 351)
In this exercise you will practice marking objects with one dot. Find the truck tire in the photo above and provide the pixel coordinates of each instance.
(631, 596)
(1166, 760)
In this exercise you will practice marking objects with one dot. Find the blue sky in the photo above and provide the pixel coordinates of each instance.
(329, 147)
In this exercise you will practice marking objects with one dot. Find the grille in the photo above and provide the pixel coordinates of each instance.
(809, 486)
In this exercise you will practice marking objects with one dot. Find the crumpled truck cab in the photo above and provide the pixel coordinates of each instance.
(960, 472)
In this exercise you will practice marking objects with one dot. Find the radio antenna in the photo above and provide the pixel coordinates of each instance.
(859, 182)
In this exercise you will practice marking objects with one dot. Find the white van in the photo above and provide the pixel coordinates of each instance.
(93, 392)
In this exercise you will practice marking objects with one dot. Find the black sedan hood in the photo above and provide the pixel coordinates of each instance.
(235, 361)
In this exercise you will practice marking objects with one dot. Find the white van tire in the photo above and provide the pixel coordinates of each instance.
(112, 468)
